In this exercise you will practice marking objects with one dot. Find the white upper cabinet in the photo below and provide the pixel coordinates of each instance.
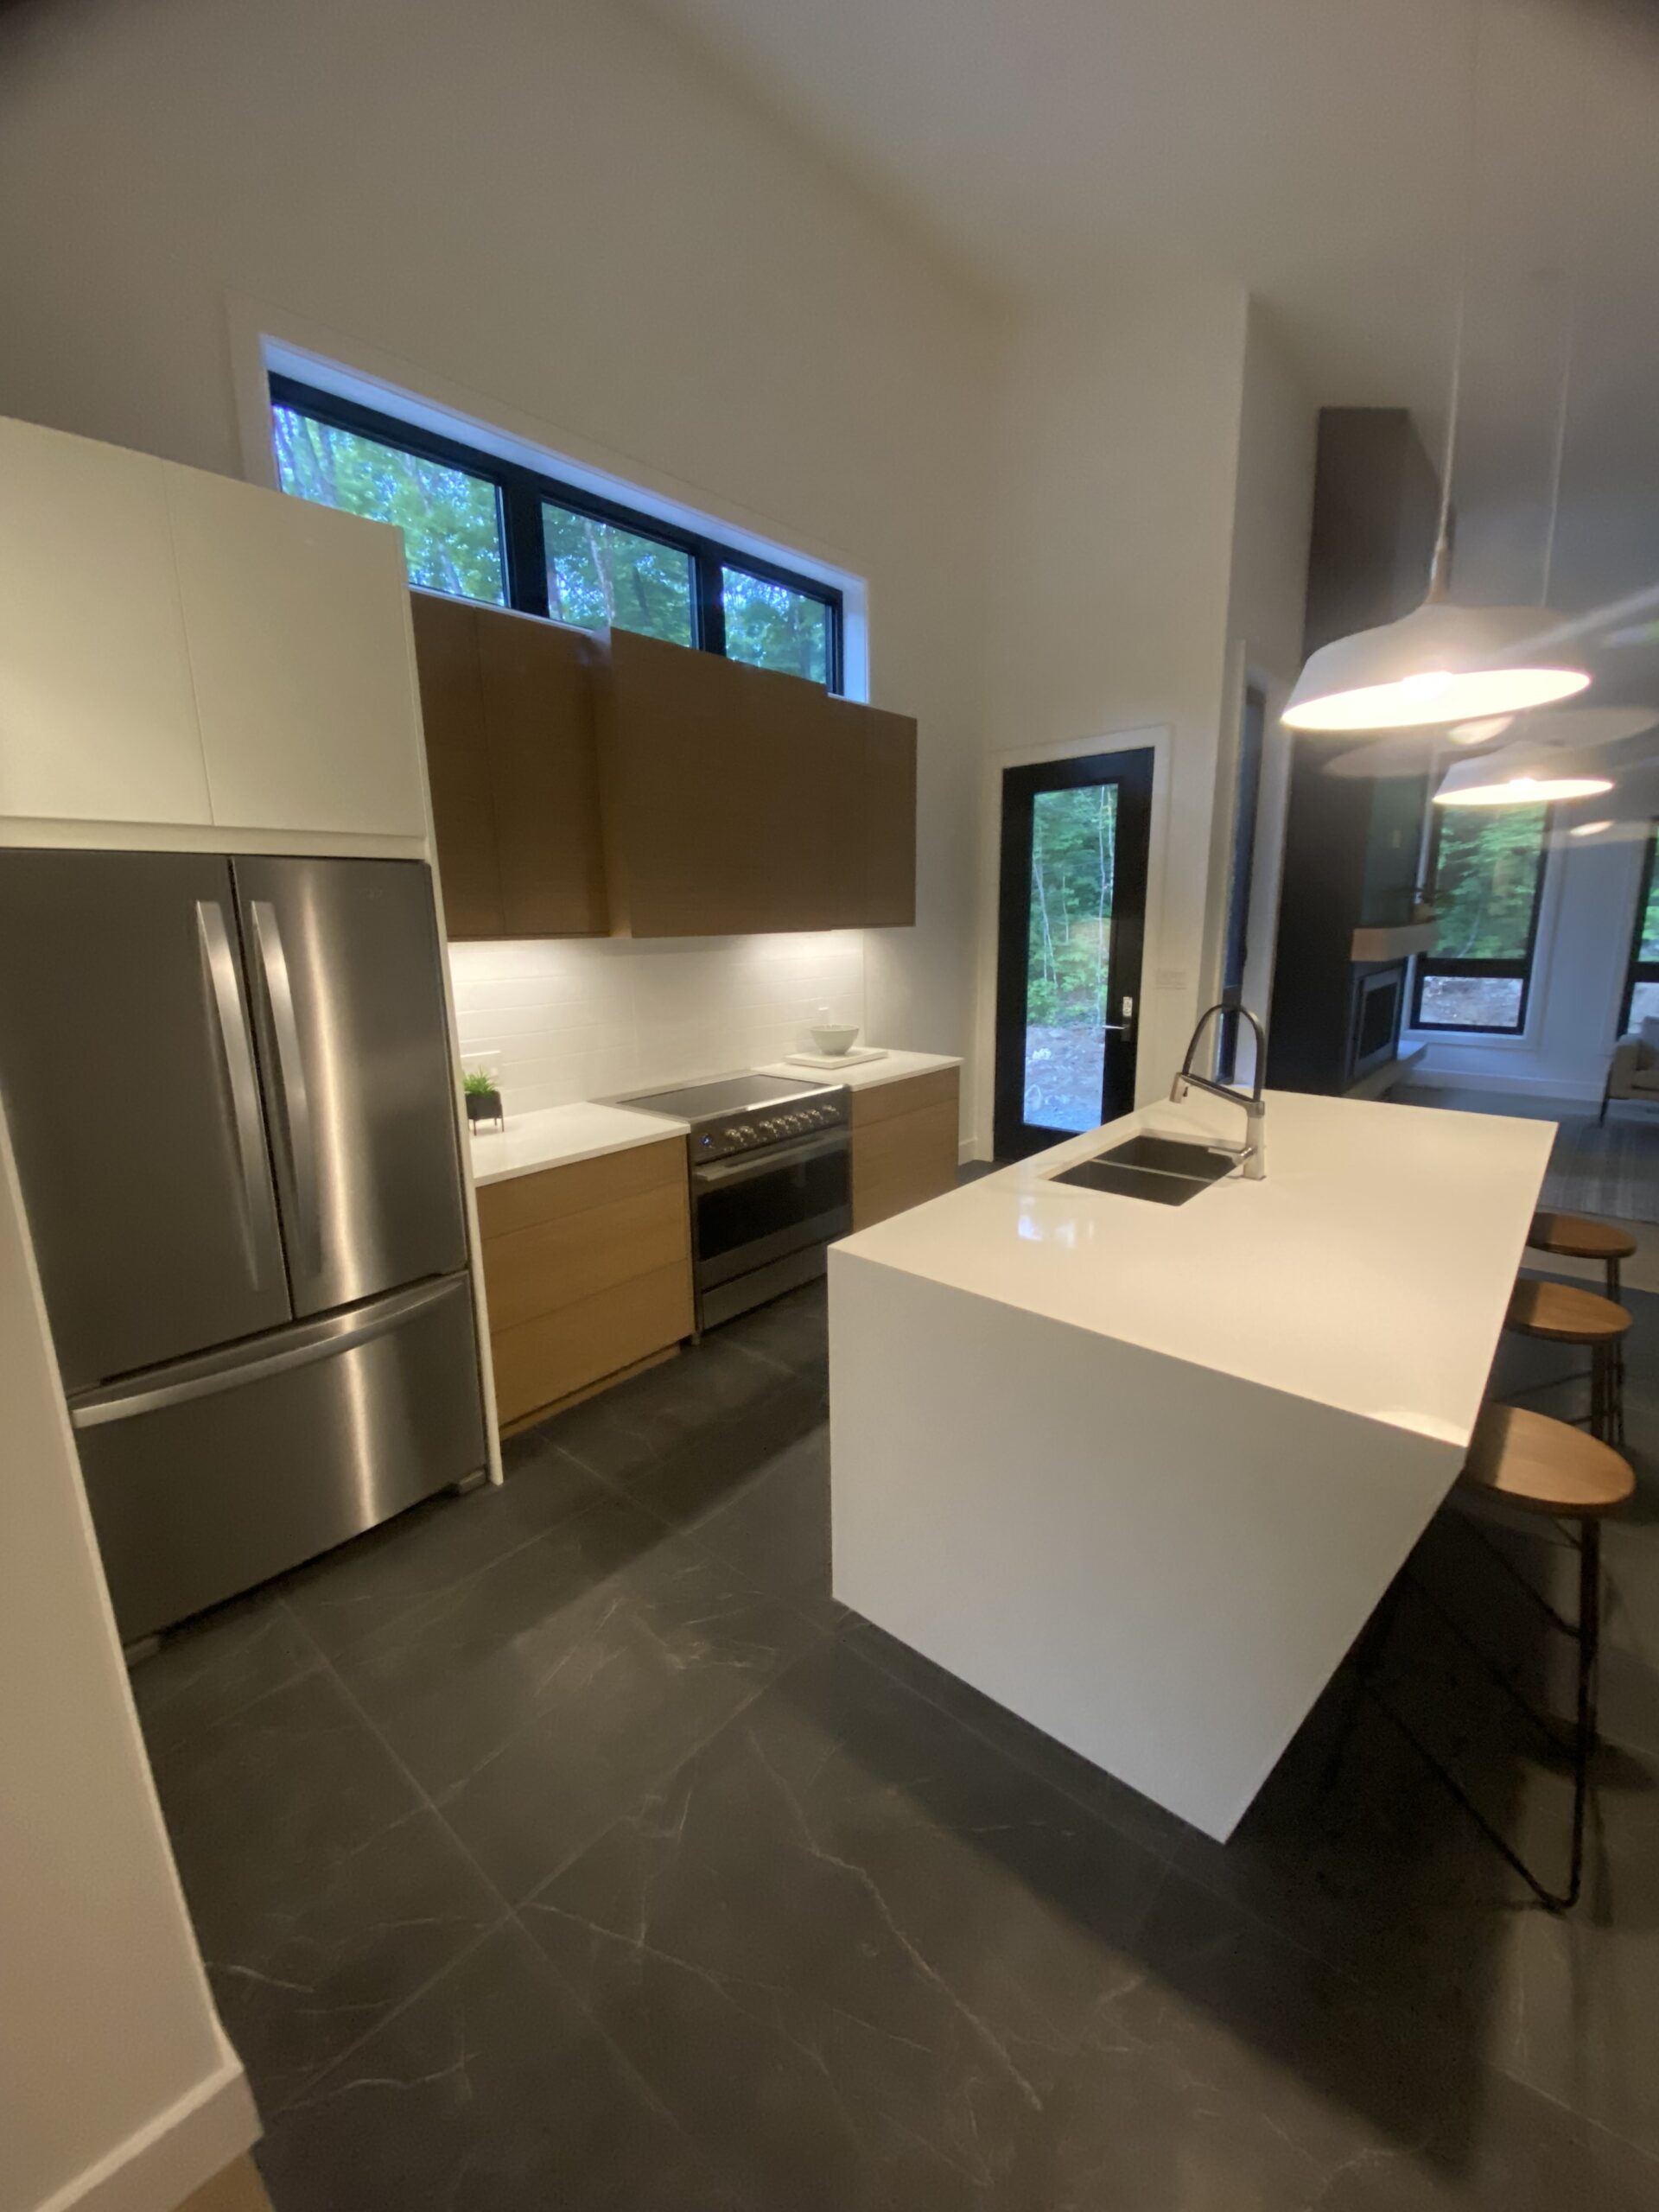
(297, 622)
(97, 720)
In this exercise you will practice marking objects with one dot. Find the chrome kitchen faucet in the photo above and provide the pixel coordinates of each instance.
(1252, 1154)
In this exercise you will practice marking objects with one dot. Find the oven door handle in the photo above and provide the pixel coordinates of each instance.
(749, 1165)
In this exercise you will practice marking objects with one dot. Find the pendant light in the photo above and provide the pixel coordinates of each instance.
(1442, 663)
(1522, 775)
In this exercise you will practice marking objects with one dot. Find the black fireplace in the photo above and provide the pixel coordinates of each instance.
(1378, 1006)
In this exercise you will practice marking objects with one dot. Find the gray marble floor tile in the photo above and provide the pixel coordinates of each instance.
(712, 1465)
(1238, 2071)
(774, 1525)
(849, 1949)
(1039, 1754)
(1511, 2152)
(664, 1658)
(490, 2093)
(793, 1331)
(324, 1890)
(370, 1583)
(453, 1677)
(216, 1664)
(621, 1434)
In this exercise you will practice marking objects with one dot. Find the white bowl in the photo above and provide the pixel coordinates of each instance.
(835, 1040)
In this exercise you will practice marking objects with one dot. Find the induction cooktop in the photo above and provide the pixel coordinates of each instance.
(720, 1094)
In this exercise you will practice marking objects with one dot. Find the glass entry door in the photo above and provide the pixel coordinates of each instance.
(1070, 922)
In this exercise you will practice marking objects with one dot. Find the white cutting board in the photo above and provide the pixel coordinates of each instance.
(833, 1059)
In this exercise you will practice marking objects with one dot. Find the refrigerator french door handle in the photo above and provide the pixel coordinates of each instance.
(235, 1055)
(294, 1098)
(230, 1369)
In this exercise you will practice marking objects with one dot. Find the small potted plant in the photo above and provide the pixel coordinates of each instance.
(483, 1099)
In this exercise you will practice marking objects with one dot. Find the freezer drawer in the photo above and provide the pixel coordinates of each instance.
(211, 1474)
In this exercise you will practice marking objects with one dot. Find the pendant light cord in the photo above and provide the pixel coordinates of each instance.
(1568, 352)
(1440, 576)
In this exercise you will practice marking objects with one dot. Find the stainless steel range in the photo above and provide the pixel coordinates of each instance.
(771, 1183)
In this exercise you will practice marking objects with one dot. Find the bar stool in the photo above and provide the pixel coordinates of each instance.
(1575, 1236)
(1540, 1466)
(1563, 1313)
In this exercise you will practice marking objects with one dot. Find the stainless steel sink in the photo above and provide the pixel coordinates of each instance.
(1163, 1171)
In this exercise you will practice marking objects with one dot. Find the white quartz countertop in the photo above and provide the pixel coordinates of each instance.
(1369, 1271)
(863, 1074)
(558, 1135)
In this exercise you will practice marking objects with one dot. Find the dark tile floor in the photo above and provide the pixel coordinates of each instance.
(564, 1846)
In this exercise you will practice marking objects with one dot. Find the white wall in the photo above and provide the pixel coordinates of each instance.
(558, 219)
(1152, 543)
(117, 2089)
(1112, 577)
(1273, 520)
(1584, 943)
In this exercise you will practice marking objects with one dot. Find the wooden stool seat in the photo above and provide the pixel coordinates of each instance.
(1565, 1314)
(1544, 1465)
(1577, 1237)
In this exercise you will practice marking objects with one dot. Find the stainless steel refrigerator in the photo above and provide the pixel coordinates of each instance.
(229, 1091)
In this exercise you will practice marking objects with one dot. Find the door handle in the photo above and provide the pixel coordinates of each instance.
(294, 1098)
(230, 1370)
(745, 1167)
(1127, 1023)
(236, 1057)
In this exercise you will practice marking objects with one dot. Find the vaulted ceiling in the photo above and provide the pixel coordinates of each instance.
(1331, 155)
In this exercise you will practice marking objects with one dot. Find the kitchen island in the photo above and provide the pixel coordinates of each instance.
(1140, 1473)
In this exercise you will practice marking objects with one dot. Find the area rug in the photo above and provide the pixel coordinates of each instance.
(1609, 1169)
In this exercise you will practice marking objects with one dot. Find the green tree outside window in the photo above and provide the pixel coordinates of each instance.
(451, 521)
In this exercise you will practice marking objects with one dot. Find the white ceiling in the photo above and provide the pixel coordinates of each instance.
(1319, 152)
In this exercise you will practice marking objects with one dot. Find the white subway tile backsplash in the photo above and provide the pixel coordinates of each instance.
(571, 1019)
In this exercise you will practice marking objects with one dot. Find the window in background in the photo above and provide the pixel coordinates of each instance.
(602, 577)
(1642, 984)
(451, 521)
(774, 626)
(482, 528)
(1486, 865)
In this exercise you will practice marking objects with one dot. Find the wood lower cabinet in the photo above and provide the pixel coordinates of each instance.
(507, 703)
(905, 1144)
(586, 1272)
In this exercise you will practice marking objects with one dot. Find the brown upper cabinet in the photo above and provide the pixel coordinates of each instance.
(508, 707)
(710, 798)
(736, 799)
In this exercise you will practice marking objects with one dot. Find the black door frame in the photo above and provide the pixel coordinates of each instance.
(1132, 769)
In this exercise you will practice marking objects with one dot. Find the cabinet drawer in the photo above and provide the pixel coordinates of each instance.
(902, 1161)
(587, 1271)
(558, 1262)
(885, 1101)
(552, 1192)
(541, 1361)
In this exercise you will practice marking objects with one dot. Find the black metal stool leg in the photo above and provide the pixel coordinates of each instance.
(1615, 1292)
(1587, 1632)
(1589, 1655)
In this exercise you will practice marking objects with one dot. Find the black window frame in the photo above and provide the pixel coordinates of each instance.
(1637, 971)
(1428, 966)
(521, 493)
